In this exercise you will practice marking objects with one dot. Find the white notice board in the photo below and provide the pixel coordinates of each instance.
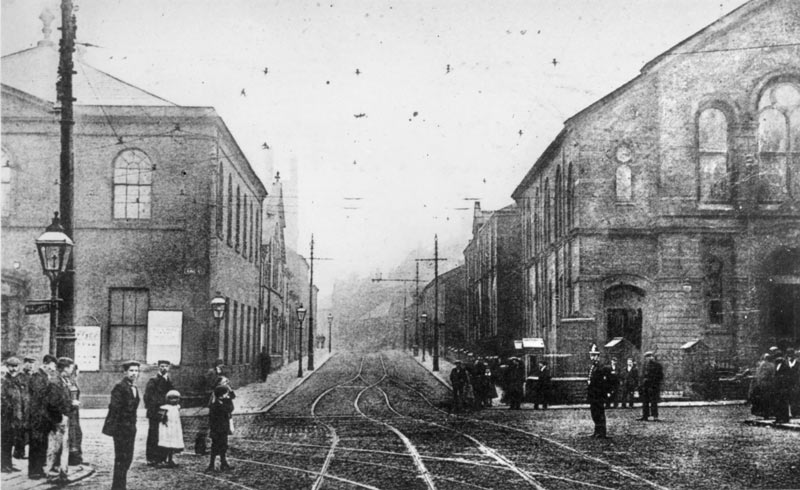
(87, 348)
(164, 329)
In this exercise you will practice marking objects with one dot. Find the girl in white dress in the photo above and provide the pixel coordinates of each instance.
(170, 431)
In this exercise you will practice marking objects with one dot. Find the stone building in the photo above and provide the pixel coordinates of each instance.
(494, 313)
(451, 313)
(274, 281)
(167, 212)
(668, 211)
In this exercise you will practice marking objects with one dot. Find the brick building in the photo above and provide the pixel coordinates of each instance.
(274, 280)
(668, 211)
(167, 212)
(494, 312)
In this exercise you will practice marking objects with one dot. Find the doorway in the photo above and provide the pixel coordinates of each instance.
(624, 317)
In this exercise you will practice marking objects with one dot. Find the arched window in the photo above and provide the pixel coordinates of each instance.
(623, 183)
(570, 198)
(547, 218)
(245, 236)
(712, 132)
(557, 203)
(220, 189)
(230, 210)
(6, 181)
(238, 242)
(133, 182)
(779, 142)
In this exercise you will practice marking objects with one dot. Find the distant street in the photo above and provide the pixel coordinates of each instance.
(381, 421)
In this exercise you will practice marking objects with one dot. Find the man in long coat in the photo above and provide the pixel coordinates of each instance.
(47, 409)
(121, 423)
(24, 377)
(265, 363)
(514, 383)
(794, 391)
(544, 386)
(783, 385)
(596, 393)
(12, 419)
(650, 387)
(155, 395)
(629, 382)
(459, 379)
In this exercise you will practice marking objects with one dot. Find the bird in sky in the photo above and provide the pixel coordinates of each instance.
(358, 72)
(243, 93)
(359, 115)
(448, 69)
(520, 132)
(264, 146)
(266, 70)
(554, 62)
(354, 162)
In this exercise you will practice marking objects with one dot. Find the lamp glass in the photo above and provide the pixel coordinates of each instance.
(301, 313)
(218, 307)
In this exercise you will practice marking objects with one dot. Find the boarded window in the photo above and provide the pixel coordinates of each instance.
(128, 323)
(624, 183)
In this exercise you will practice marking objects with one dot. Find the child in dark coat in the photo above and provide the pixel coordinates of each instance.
(219, 423)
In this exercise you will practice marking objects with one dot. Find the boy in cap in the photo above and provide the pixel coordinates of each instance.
(57, 444)
(12, 419)
(120, 422)
(219, 422)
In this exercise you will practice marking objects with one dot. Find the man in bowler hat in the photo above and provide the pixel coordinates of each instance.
(155, 395)
(596, 393)
(650, 388)
(121, 422)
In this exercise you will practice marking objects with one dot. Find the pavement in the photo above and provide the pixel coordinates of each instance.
(251, 398)
(443, 375)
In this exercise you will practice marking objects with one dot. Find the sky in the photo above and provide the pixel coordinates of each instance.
(456, 99)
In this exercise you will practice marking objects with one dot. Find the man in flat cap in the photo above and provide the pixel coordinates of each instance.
(12, 419)
(121, 422)
(58, 444)
(650, 386)
(24, 377)
(155, 395)
(47, 408)
(459, 380)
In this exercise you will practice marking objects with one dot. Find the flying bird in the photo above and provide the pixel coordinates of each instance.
(520, 132)
(264, 146)
(554, 62)
(243, 93)
(359, 115)
(448, 69)
(266, 70)
(358, 72)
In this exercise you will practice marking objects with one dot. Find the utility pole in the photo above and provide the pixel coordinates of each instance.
(65, 334)
(435, 261)
(405, 293)
(311, 308)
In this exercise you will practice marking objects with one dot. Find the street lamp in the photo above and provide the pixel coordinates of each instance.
(424, 318)
(330, 338)
(54, 248)
(301, 315)
(218, 308)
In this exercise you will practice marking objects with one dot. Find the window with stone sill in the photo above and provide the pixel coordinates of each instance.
(623, 184)
(779, 142)
(133, 183)
(714, 172)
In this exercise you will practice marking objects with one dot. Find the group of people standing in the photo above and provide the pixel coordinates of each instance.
(605, 382)
(775, 388)
(40, 409)
(473, 386)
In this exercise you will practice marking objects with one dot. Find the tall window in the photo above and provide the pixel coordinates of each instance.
(557, 203)
(779, 142)
(238, 217)
(712, 129)
(230, 210)
(220, 214)
(624, 183)
(128, 323)
(570, 198)
(6, 179)
(133, 182)
(245, 236)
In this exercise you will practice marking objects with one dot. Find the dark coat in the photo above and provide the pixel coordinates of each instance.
(652, 376)
(155, 394)
(121, 418)
(212, 377)
(629, 379)
(544, 385)
(219, 414)
(459, 377)
(265, 361)
(49, 401)
(598, 383)
(13, 403)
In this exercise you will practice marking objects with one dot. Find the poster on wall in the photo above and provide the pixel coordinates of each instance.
(164, 329)
(87, 348)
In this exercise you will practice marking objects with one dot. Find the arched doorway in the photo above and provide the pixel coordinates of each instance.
(623, 305)
(782, 298)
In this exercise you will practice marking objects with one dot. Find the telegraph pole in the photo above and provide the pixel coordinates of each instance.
(405, 293)
(435, 261)
(65, 334)
(311, 308)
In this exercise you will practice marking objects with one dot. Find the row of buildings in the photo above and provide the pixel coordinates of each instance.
(168, 213)
(666, 213)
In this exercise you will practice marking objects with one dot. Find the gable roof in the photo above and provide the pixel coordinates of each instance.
(35, 72)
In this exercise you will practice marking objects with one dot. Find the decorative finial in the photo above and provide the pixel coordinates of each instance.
(47, 18)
